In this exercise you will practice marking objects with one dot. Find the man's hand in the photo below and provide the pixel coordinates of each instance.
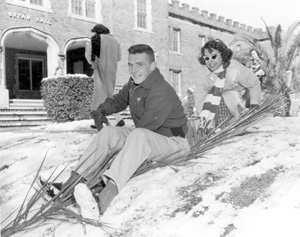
(253, 107)
(99, 117)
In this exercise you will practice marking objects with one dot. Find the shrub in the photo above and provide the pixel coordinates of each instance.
(67, 98)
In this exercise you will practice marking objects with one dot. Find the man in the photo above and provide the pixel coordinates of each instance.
(160, 128)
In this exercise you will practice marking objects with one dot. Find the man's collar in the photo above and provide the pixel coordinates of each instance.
(150, 79)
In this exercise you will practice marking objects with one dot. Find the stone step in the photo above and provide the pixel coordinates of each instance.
(33, 118)
(16, 103)
(23, 113)
(21, 123)
(31, 113)
(21, 101)
(24, 108)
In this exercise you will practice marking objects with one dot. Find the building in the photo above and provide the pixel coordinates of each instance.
(37, 36)
(190, 28)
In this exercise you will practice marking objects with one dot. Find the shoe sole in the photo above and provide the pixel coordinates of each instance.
(45, 188)
(87, 203)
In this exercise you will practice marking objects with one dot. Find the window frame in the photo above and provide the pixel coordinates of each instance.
(148, 27)
(29, 57)
(46, 6)
(176, 85)
(83, 16)
(172, 40)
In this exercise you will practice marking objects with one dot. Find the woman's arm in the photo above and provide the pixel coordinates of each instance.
(248, 79)
(88, 52)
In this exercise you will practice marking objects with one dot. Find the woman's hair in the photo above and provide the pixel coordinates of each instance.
(98, 29)
(217, 44)
(257, 52)
(142, 48)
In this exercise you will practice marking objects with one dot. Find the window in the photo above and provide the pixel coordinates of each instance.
(43, 5)
(143, 15)
(30, 73)
(90, 9)
(175, 76)
(86, 9)
(77, 7)
(37, 2)
(175, 40)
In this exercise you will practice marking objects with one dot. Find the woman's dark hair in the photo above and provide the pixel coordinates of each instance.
(219, 45)
(100, 29)
(96, 39)
(257, 52)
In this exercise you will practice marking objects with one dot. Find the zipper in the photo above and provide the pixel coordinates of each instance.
(132, 91)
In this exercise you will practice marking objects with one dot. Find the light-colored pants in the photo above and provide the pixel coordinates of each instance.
(133, 147)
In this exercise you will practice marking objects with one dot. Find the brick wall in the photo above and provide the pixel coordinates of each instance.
(119, 17)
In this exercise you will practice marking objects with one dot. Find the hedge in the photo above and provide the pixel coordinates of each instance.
(67, 98)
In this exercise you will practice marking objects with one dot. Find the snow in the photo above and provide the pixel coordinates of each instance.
(248, 186)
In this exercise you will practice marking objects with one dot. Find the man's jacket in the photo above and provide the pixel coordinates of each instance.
(153, 105)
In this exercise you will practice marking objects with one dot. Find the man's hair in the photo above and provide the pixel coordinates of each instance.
(142, 48)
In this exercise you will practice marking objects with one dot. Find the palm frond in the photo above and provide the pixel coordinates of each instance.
(253, 43)
(293, 51)
(50, 209)
(267, 108)
(269, 34)
(288, 36)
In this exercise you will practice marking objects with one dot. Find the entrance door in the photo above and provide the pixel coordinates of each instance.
(30, 75)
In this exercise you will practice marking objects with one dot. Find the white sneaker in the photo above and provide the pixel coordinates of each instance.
(86, 201)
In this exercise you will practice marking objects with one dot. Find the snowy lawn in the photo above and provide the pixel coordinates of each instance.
(248, 186)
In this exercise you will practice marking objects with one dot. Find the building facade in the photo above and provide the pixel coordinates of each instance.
(37, 36)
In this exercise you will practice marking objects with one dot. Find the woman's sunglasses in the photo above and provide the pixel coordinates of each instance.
(206, 58)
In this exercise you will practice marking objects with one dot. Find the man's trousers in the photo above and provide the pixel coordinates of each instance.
(130, 147)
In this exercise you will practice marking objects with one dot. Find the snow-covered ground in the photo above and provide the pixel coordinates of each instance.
(248, 186)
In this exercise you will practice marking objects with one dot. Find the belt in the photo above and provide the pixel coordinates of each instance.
(178, 131)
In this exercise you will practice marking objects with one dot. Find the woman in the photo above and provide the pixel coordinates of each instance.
(219, 94)
(103, 53)
(257, 65)
(188, 102)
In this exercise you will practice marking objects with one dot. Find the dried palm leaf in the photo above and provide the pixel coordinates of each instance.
(53, 209)
(267, 108)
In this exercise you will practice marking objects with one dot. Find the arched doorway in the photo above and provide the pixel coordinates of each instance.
(74, 49)
(29, 56)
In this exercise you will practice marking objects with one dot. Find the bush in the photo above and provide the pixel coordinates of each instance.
(67, 98)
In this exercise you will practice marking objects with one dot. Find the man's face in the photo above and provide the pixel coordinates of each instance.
(140, 67)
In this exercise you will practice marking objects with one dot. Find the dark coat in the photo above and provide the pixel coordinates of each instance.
(153, 104)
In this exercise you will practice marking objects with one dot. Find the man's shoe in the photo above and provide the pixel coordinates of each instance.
(86, 201)
(93, 127)
(121, 123)
(105, 197)
(49, 189)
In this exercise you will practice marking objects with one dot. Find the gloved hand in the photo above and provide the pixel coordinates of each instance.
(253, 106)
(99, 117)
